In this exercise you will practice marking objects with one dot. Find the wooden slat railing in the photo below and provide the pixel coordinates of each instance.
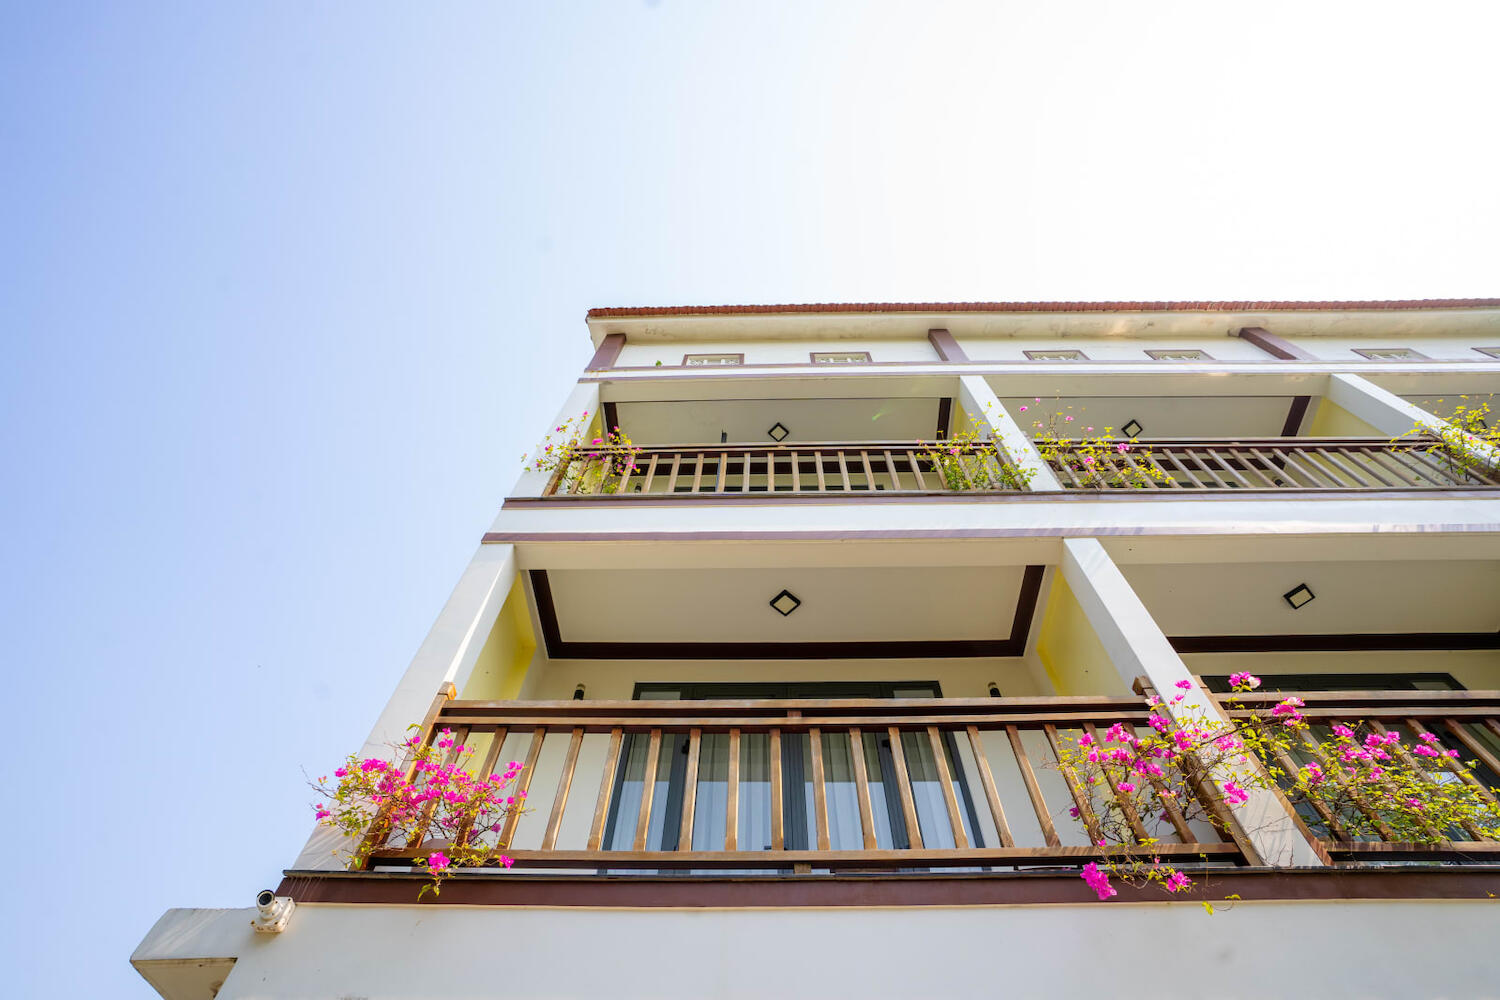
(922, 783)
(1270, 463)
(909, 467)
(805, 467)
(1466, 721)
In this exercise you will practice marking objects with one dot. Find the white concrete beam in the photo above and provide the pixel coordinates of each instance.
(1139, 648)
(976, 397)
(1388, 412)
(582, 404)
(447, 655)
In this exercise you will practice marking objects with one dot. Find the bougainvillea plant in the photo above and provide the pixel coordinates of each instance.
(1348, 782)
(432, 801)
(1093, 459)
(1466, 443)
(584, 464)
(969, 460)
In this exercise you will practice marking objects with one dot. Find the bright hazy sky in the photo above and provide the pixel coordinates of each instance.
(287, 288)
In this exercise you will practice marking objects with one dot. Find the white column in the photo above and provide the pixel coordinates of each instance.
(1388, 412)
(447, 655)
(1138, 648)
(582, 405)
(976, 396)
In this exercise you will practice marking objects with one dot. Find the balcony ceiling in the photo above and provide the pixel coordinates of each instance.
(747, 420)
(1352, 597)
(1160, 416)
(887, 604)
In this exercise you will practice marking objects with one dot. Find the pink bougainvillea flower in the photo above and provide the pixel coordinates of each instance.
(1177, 882)
(1184, 685)
(507, 862)
(1126, 787)
(1234, 794)
(1097, 880)
(438, 861)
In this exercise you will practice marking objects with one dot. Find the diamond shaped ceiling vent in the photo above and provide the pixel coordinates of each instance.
(785, 603)
(1133, 423)
(778, 432)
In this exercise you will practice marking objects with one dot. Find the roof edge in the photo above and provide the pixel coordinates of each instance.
(1043, 307)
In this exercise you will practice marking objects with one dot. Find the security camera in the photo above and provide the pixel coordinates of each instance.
(272, 912)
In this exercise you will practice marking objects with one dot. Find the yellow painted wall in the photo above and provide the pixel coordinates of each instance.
(1072, 654)
(1332, 420)
(507, 654)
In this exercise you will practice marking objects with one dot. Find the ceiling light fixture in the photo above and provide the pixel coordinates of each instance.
(785, 603)
(1299, 596)
(778, 431)
(1133, 423)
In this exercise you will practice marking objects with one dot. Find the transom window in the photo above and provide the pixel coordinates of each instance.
(1056, 356)
(694, 360)
(840, 357)
(1180, 355)
(1388, 353)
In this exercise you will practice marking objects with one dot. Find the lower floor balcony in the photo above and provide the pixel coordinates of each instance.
(862, 785)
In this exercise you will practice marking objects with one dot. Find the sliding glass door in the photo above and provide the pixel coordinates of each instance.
(753, 832)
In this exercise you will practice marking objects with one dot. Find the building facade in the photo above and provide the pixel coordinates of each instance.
(788, 679)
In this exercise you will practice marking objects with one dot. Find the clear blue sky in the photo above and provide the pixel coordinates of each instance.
(287, 288)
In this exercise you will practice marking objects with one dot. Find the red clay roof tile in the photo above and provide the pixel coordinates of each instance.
(1038, 307)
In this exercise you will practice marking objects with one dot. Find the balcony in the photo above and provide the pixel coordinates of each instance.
(918, 468)
(767, 787)
(1272, 463)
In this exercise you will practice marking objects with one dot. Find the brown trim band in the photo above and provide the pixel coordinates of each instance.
(1325, 643)
(559, 648)
(594, 501)
(630, 312)
(987, 889)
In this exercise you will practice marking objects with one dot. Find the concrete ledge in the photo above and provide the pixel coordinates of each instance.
(1424, 882)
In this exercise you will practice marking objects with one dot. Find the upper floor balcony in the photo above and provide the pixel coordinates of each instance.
(927, 468)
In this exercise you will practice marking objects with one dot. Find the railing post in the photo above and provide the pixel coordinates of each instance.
(379, 831)
(1136, 646)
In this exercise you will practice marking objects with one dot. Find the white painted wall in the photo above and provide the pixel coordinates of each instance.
(1131, 348)
(1439, 348)
(773, 352)
(1321, 950)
